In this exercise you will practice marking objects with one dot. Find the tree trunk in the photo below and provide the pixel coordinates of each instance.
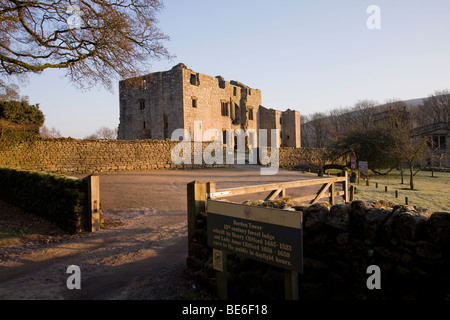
(401, 174)
(411, 177)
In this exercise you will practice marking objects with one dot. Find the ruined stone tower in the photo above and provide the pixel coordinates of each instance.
(154, 105)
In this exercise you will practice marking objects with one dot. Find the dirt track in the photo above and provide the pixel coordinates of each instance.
(141, 254)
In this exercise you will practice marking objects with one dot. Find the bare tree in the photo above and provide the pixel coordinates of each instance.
(413, 151)
(362, 113)
(318, 129)
(338, 124)
(404, 142)
(50, 133)
(94, 40)
(305, 127)
(9, 91)
(435, 109)
(325, 130)
(103, 133)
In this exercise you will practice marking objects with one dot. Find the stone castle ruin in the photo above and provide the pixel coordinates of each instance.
(153, 106)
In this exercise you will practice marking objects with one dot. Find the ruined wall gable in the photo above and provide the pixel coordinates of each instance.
(291, 134)
(219, 104)
(151, 106)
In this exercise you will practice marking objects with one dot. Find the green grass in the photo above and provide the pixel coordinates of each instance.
(431, 193)
(9, 238)
(14, 237)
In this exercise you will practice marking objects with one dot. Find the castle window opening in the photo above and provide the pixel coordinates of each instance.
(234, 91)
(250, 113)
(224, 108)
(194, 102)
(141, 105)
(439, 142)
(194, 79)
(166, 127)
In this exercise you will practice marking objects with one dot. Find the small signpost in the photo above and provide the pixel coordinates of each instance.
(363, 167)
(269, 235)
(353, 161)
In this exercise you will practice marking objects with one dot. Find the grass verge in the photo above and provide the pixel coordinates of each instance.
(431, 193)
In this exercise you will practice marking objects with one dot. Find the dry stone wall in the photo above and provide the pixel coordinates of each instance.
(290, 157)
(93, 156)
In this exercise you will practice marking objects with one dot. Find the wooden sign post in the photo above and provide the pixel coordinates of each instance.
(94, 203)
(363, 167)
(268, 235)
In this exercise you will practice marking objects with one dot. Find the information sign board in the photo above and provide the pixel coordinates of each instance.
(363, 166)
(269, 235)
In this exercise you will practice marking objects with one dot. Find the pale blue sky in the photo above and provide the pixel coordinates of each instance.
(304, 55)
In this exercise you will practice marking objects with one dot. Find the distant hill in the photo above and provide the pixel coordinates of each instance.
(414, 102)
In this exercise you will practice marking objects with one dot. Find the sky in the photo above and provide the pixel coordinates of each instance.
(310, 56)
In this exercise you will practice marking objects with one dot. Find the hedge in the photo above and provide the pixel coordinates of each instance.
(57, 198)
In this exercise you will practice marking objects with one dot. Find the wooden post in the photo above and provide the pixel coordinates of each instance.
(352, 193)
(332, 191)
(221, 279)
(385, 188)
(221, 271)
(396, 193)
(291, 285)
(345, 187)
(196, 199)
(406, 201)
(376, 185)
(93, 223)
(210, 188)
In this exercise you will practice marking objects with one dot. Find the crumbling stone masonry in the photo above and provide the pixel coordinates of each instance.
(154, 105)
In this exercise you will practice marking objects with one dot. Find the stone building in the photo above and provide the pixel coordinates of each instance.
(154, 105)
(439, 141)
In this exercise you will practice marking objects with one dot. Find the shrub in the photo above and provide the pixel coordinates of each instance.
(60, 199)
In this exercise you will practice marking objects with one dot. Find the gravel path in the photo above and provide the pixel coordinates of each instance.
(140, 254)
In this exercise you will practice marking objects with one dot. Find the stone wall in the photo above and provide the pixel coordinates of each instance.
(340, 242)
(151, 106)
(210, 93)
(92, 156)
(290, 157)
(270, 119)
